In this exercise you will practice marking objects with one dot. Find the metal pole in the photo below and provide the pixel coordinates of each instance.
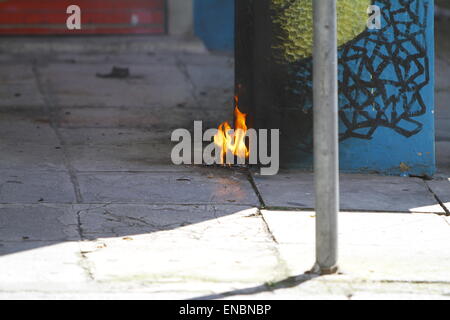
(326, 147)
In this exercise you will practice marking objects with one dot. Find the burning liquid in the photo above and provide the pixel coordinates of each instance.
(233, 141)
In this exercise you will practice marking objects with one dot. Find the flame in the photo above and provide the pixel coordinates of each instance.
(233, 141)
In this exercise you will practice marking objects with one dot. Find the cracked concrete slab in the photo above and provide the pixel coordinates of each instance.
(117, 59)
(44, 222)
(131, 157)
(294, 189)
(101, 45)
(23, 127)
(152, 86)
(115, 220)
(235, 247)
(119, 149)
(341, 287)
(31, 156)
(18, 87)
(199, 186)
(440, 188)
(21, 186)
(112, 136)
(373, 246)
(32, 265)
(158, 119)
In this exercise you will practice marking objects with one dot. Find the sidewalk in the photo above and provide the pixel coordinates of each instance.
(91, 207)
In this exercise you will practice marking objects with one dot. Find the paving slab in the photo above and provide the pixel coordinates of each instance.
(153, 86)
(31, 156)
(118, 149)
(20, 127)
(144, 118)
(101, 45)
(372, 246)
(213, 85)
(21, 186)
(117, 59)
(213, 60)
(341, 287)
(115, 220)
(233, 248)
(112, 136)
(212, 76)
(43, 222)
(200, 186)
(294, 189)
(132, 157)
(441, 188)
(34, 265)
(18, 88)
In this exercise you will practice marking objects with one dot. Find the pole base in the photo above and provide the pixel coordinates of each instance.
(323, 271)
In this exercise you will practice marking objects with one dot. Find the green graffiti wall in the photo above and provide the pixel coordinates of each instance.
(293, 19)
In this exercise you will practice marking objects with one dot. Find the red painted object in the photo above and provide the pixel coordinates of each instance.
(97, 17)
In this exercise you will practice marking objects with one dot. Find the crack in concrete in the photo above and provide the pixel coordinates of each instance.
(261, 200)
(84, 261)
(50, 109)
(444, 207)
(269, 232)
(215, 214)
(182, 67)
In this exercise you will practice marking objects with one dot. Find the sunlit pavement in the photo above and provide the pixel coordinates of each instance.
(91, 207)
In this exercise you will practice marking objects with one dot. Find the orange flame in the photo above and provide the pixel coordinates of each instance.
(234, 141)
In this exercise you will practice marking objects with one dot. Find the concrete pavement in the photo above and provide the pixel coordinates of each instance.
(91, 207)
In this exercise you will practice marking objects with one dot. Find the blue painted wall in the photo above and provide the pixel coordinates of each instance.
(386, 94)
(386, 79)
(394, 109)
(214, 23)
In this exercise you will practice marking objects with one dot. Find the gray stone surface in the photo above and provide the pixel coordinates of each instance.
(152, 86)
(43, 222)
(295, 189)
(100, 45)
(41, 266)
(441, 188)
(21, 186)
(18, 89)
(25, 127)
(373, 246)
(199, 186)
(31, 156)
(236, 242)
(131, 157)
(115, 220)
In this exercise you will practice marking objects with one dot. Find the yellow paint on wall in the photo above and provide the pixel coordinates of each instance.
(295, 25)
